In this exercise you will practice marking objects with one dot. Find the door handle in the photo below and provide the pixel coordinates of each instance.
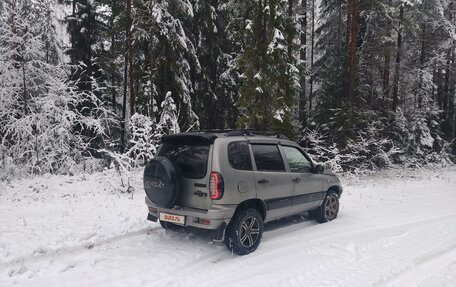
(263, 181)
(296, 180)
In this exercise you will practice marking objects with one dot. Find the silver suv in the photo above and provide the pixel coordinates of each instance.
(233, 182)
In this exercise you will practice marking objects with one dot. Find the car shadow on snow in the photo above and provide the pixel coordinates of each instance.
(291, 221)
(279, 226)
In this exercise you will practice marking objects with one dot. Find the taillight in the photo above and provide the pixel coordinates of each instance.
(216, 185)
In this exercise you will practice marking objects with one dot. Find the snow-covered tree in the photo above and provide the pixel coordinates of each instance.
(146, 134)
(215, 89)
(269, 79)
(168, 123)
(38, 104)
(144, 138)
(161, 28)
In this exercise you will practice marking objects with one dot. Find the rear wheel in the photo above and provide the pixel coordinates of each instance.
(329, 208)
(243, 234)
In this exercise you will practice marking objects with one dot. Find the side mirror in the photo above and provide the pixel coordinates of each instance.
(319, 168)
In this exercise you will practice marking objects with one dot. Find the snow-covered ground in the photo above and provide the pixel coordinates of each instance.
(397, 228)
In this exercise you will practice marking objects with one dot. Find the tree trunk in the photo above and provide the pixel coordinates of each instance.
(302, 56)
(113, 73)
(398, 60)
(130, 60)
(386, 74)
(422, 60)
(451, 106)
(451, 96)
(151, 79)
(353, 19)
(13, 29)
(386, 65)
(124, 107)
(24, 88)
(267, 101)
(290, 37)
(449, 89)
(312, 46)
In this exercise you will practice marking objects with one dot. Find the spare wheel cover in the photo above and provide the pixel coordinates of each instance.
(161, 182)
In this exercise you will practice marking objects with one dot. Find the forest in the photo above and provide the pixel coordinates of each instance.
(361, 85)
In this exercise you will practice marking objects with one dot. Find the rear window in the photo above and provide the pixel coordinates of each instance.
(189, 159)
(239, 156)
(268, 158)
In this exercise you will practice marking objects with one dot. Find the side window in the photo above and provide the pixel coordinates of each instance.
(268, 158)
(239, 156)
(297, 161)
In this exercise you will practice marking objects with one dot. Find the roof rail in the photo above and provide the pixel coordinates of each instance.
(253, 133)
(216, 131)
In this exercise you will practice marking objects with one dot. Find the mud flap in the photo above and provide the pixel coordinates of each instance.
(151, 217)
(218, 235)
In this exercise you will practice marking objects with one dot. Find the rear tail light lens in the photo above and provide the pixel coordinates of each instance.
(216, 186)
(152, 210)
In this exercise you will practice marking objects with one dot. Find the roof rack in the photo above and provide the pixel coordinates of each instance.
(247, 132)
(216, 131)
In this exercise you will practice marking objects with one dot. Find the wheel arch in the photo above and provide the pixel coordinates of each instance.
(335, 188)
(256, 203)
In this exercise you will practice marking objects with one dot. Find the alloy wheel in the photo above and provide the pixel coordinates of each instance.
(249, 232)
(331, 206)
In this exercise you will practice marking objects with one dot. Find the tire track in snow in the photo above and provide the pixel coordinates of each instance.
(364, 257)
(427, 265)
(388, 257)
(72, 250)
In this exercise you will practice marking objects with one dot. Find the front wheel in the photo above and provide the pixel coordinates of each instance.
(243, 234)
(328, 210)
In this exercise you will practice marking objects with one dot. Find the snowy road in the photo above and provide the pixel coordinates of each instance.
(393, 230)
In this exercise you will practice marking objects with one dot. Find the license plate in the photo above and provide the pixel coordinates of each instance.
(177, 219)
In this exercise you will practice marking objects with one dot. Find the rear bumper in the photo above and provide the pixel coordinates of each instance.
(218, 216)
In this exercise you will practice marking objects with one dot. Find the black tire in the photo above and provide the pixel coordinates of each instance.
(161, 182)
(243, 234)
(328, 210)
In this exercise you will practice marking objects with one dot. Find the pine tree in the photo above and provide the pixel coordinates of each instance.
(333, 114)
(269, 79)
(83, 28)
(162, 33)
(215, 91)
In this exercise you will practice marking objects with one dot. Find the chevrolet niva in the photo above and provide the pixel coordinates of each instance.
(233, 182)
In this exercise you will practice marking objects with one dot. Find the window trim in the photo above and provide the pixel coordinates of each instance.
(285, 164)
(250, 155)
(302, 152)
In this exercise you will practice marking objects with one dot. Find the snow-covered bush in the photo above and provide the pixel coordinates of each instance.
(144, 138)
(319, 147)
(379, 141)
(146, 135)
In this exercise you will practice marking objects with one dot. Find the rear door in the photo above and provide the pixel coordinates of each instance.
(308, 186)
(190, 157)
(272, 183)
